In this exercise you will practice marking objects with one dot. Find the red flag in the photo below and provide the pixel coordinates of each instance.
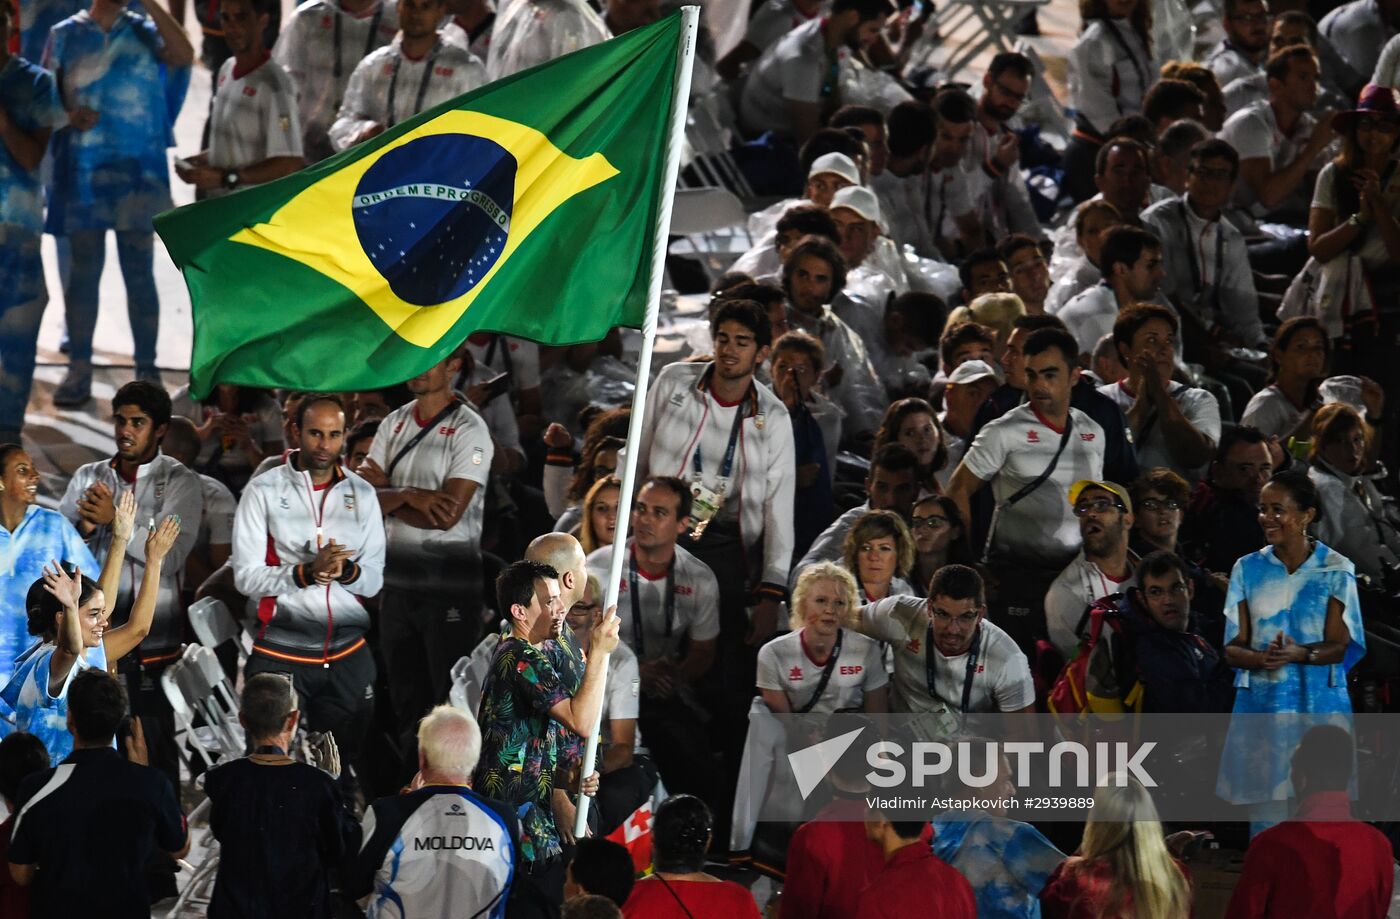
(634, 834)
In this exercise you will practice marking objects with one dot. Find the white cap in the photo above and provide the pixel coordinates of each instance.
(836, 164)
(859, 199)
(971, 372)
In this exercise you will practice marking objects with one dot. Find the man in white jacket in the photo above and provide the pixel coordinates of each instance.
(308, 543)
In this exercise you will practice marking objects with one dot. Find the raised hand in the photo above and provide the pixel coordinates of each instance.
(160, 540)
(65, 588)
(124, 518)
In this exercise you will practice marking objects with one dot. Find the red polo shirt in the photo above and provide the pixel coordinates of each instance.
(917, 881)
(830, 861)
(1321, 865)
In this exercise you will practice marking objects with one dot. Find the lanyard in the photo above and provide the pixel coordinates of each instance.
(336, 69)
(389, 119)
(826, 677)
(637, 601)
(1128, 50)
(932, 673)
(1191, 246)
(727, 467)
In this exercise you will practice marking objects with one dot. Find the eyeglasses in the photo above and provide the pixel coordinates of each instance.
(1155, 504)
(1176, 590)
(966, 620)
(1097, 506)
(929, 523)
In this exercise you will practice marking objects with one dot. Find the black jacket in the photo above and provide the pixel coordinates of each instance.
(1180, 671)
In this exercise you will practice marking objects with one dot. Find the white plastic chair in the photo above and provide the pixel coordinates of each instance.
(214, 624)
(712, 224)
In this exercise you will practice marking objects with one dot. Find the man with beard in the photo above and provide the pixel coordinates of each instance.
(1180, 671)
(254, 128)
(163, 487)
(416, 72)
(1104, 565)
(429, 462)
(813, 275)
(668, 604)
(1222, 517)
(1246, 44)
(793, 84)
(308, 546)
(992, 162)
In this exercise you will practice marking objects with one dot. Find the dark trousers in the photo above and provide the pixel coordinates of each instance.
(421, 635)
(682, 753)
(148, 702)
(338, 699)
(1017, 604)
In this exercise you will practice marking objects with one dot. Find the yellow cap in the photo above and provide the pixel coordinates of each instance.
(1079, 487)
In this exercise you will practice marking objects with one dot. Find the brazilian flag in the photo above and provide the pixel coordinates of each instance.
(529, 207)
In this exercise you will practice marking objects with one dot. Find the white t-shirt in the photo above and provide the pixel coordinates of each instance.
(1012, 451)
(785, 664)
(1254, 133)
(1372, 252)
(1199, 407)
(773, 20)
(220, 506)
(319, 57)
(793, 70)
(254, 116)
(696, 612)
(502, 353)
(1090, 315)
(388, 86)
(460, 448)
(1000, 682)
(1070, 594)
(1272, 413)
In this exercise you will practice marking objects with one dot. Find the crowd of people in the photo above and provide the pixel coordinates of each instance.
(997, 369)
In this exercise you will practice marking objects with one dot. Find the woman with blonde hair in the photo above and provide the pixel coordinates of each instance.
(600, 509)
(1124, 867)
(879, 551)
(823, 665)
(996, 311)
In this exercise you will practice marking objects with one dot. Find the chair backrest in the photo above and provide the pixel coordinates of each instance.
(704, 210)
(212, 622)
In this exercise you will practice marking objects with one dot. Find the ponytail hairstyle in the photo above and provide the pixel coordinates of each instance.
(681, 833)
(42, 607)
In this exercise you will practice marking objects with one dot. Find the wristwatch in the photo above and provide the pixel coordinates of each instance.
(1312, 655)
(231, 179)
(1355, 221)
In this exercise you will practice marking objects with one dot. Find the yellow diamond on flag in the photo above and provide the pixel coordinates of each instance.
(418, 228)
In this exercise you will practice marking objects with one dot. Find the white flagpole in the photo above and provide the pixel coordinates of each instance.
(680, 101)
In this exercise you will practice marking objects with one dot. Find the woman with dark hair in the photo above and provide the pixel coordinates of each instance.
(1300, 352)
(879, 552)
(31, 536)
(1292, 631)
(566, 484)
(67, 611)
(1111, 65)
(939, 539)
(914, 423)
(679, 887)
(1352, 517)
